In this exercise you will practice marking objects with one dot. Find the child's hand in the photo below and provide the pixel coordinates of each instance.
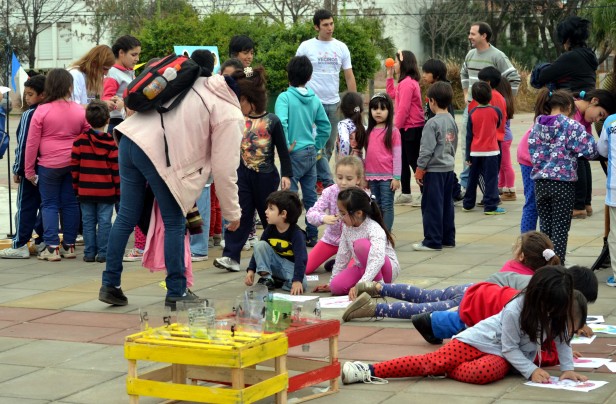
(585, 331)
(390, 72)
(249, 280)
(419, 176)
(577, 354)
(292, 146)
(285, 183)
(330, 219)
(353, 293)
(540, 376)
(395, 185)
(571, 375)
(16, 179)
(322, 289)
(233, 226)
(297, 288)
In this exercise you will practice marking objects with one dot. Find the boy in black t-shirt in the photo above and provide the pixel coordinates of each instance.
(280, 256)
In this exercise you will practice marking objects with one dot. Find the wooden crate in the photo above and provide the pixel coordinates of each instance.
(227, 359)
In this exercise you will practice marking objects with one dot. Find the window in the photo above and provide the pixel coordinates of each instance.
(64, 38)
(44, 43)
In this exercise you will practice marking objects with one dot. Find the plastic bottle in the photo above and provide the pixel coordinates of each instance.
(158, 84)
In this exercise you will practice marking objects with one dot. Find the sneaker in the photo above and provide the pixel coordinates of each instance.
(247, 246)
(227, 263)
(39, 248)
(112, 295)
(268, 282)
(311, 242)
(16, 253)
(79, 240)
(467, 209)
(422, 247)
(132, 255)
(217, 239)
(497, 211)
(480, 203)
(611, 282)
(68, 251)
(253, 240)
(363, 307)
(449, 246)
(423, 324)
(368, 287)
(171, 301)
(210, 242)
(88, 259)
(404, 199)
(50, 254)
(356, 372)
(508, 196)
(100, 259)
(329, 265)
(222, 244)
(417, 202)
(198, 257)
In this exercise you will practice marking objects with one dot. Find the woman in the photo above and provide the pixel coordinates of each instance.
(88, 73)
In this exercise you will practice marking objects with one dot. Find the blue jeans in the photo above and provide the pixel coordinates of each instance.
(56, 187)
(136, 170)
(304, 167)
(198, 242)
(465, 169)
(91, 215)
(323, 171)
(267, 261)
(385, 199)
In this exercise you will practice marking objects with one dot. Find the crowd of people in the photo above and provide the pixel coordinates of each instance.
(82, 153)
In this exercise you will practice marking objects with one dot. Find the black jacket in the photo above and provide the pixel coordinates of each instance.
(574, 70)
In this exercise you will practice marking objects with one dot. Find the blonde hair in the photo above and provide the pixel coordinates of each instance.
(92, 63)
(356, 163)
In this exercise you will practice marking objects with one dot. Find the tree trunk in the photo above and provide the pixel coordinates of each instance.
(32, 49)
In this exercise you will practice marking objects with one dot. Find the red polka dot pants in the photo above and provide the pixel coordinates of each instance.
(456, 360)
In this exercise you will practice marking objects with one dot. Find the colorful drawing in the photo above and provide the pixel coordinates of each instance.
(557, 384)
(603, 328)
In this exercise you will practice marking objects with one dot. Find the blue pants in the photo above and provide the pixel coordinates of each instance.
(437, 210)
(385, 199)
(487, 166)
(56, 187)
(304, 167)
(28, 216)
(198, 242)
(418, 300)
(446, 324)
(136, 170)
(96, 241)
(274, 265)
(323, 172)
(529, 211)
(462, 135)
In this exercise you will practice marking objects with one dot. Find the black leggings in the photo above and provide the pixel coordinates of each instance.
(554, 204)
(583, 186)
(411, 142)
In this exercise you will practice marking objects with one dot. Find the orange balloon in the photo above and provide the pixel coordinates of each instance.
(389, 62)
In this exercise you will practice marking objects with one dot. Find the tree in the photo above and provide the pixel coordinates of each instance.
(602, 13)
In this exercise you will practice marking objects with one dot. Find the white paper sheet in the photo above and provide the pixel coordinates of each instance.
(603, 328)
(611, 366)
(595, 319)
(590, 363)
(312, 277)
(582, 340)
(294, 298)
(334, 302)
(554, 383)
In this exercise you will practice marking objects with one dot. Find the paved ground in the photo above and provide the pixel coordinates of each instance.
(59, 344)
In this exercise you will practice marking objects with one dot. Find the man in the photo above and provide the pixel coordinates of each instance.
(482, 55)
(328, 56)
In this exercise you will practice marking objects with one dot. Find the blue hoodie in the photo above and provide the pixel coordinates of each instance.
(299, 110)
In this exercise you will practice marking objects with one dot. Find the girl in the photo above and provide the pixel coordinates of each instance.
(55, 125)
(590, 107)
(88, 73)
(365, 240)
(554, 144)
(547, 310)
(408, 118)
(529, 210)
(349, 173)
(383, 155)
(126, 50)
(530, 254)
(506, 175)
(257, 176)
(351, 130)
(434, 70)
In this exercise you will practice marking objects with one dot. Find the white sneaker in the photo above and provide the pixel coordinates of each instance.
(422, 247)
(416, 202)
(16, 253)
(79, 240)
(198, 257)
(404, 199)
(53, 255)
(222, 244)
(253, 240)
(227, 263)
(247, 246)
(356, 372)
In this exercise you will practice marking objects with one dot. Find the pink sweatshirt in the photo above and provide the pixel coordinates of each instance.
(408, 110)
(53, 129)
(523, 153)
(382, 164)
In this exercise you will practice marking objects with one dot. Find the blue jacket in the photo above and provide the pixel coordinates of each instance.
(22, 137)
(299, 109)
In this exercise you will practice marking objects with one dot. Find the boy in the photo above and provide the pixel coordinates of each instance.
(96, 180)
(299, 111)
(28, 196)
(280, 256)
(482, 150)
(607, 148)
(435, 165)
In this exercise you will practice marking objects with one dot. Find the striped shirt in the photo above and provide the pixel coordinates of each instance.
(476, 60)
(607, 148)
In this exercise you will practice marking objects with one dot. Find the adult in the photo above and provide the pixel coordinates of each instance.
(482, 54)
(242, 48)
(327, 55)
(176, 171)
(88, 73)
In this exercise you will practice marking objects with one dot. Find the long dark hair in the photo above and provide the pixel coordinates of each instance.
(355, 199)
(252, 87)
(504, 88)
(548, 305)
(58, 85)
(605, 99)
(547, 99)
(352, 106)
(408, 65)
(381, 100)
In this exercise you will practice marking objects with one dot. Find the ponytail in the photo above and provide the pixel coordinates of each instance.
(355, 199)
(352, 107)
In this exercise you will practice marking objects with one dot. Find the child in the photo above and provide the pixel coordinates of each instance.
(28, 197)
(230, 66)
(506, 176)
(546, 311)
(96, 180)
(482, 150)
(529, 210)
(280, 256)
(383, 155)
(554, 145)
(242, 48)
(366, 250)
(299, 111)
(435, 165)
(54, 127)
(351, 129)
(408, 118)
(257, 175)
(349, 173)
(607, 148)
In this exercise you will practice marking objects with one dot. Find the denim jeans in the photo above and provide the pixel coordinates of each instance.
(465, 168)
(385, 199)
(198, 242)
(324, 173)
(268, 261)
(136, 170)
(91, 215)
(304, 167)
(56, 187)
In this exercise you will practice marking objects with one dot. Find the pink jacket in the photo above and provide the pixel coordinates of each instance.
(408, 109)
(204, 134)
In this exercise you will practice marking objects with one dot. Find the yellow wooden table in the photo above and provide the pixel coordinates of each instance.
(226, 360)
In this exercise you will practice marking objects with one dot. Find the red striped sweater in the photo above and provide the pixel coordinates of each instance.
(94, 165)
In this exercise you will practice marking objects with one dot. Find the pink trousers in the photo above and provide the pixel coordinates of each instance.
(318, 255)
(506, 176)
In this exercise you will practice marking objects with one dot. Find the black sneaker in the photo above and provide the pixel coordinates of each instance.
(88, 259)
(269, 282)
(423, 324)
(101, 259)
(311, 242)
(329, 265)
(112, 295)
(171, 301)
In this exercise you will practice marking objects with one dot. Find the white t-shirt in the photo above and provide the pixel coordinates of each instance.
(327, 58)
(80, 94)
